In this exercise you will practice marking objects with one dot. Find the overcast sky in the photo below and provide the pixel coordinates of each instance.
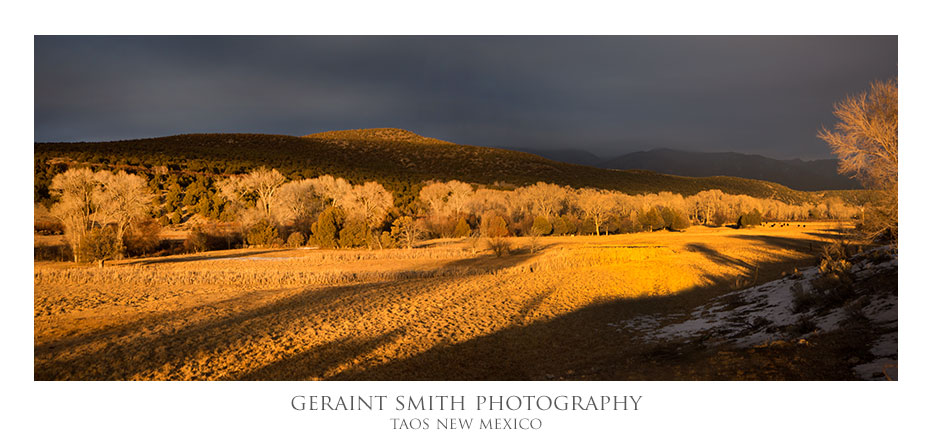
(607, 95)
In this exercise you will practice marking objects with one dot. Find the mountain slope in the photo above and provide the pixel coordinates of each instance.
(577, 157)
(797, 174)
(399, 159)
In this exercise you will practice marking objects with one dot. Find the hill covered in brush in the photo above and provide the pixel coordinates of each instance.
(399, 159)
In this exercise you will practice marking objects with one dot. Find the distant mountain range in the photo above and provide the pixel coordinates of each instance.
(805, 175)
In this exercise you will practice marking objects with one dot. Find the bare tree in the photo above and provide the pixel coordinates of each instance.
(406, 231)
(122, 198)
(373, 201)
(445, 199)
(336, 191)
(296, 200)
(545, 199)
(866, 142)
(258, 187)
(597, 205)
(86, 198)
(76, 190)
(459, 197)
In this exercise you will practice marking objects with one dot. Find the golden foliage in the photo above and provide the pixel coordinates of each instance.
(866, 141)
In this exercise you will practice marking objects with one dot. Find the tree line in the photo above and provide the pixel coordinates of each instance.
(111, 215)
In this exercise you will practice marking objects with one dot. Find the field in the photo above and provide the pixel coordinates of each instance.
(449, 309)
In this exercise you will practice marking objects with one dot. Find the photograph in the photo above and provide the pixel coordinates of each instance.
(465, 208)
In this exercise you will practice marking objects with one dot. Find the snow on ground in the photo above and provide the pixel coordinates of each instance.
(765, 313)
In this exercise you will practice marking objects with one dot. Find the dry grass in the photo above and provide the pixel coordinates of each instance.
(442, 311)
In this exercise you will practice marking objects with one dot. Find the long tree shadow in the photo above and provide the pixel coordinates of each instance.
(134, 358)
(123, 360)
(716, 256)
(780, 242)
(580, 345)
(588, 344)
(196, 258)
(490, 263)
(318, 360)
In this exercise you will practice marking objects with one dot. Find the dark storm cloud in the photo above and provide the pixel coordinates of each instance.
(609, 95)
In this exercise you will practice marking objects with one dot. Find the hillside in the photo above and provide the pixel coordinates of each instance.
(797, 174)
(399, 159)
(577, 157)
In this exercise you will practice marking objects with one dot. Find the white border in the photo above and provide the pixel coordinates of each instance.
(241, 412)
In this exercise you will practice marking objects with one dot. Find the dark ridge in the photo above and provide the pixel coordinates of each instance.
(797, 174)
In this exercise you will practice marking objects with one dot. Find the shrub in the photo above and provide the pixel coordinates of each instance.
(674, 219)
(438, 226)
(802, 300)
(499, 246)
(750, 219)
(353, 235)
(802, 326)
(651, 220)
(263, 233)
(835, 259)
(560, 227)
(521, 226)
(541, 226)
(462, 229)
(386, 240)
(325, 230)
(494, 225)
(719, 218)
(834, 286)
(295, 240)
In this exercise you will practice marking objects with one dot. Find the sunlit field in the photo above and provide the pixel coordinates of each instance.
(449, 309)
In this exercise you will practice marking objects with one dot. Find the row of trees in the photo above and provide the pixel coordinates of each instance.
(331, 212)
(565, 209)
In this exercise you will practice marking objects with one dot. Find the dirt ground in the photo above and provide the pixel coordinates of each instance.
(449, 310)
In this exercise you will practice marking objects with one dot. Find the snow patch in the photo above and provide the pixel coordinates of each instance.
(765, 313)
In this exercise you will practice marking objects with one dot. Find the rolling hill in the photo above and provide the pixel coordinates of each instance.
(399, 159)
(797, 174)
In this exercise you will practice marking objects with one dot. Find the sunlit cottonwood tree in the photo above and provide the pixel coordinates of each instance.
(545, 199)
(444, 199)
(335, 191)
(258, 187)
(597, 206)
(406, 231)
(369, 202)
(86, 198)
(122, 199)
(459, 197)
(434, 196)
(296, 200)
(372, 202)
(865, 139)
(76, 190)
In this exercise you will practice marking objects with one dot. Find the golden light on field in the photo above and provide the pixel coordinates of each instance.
(447, 310)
